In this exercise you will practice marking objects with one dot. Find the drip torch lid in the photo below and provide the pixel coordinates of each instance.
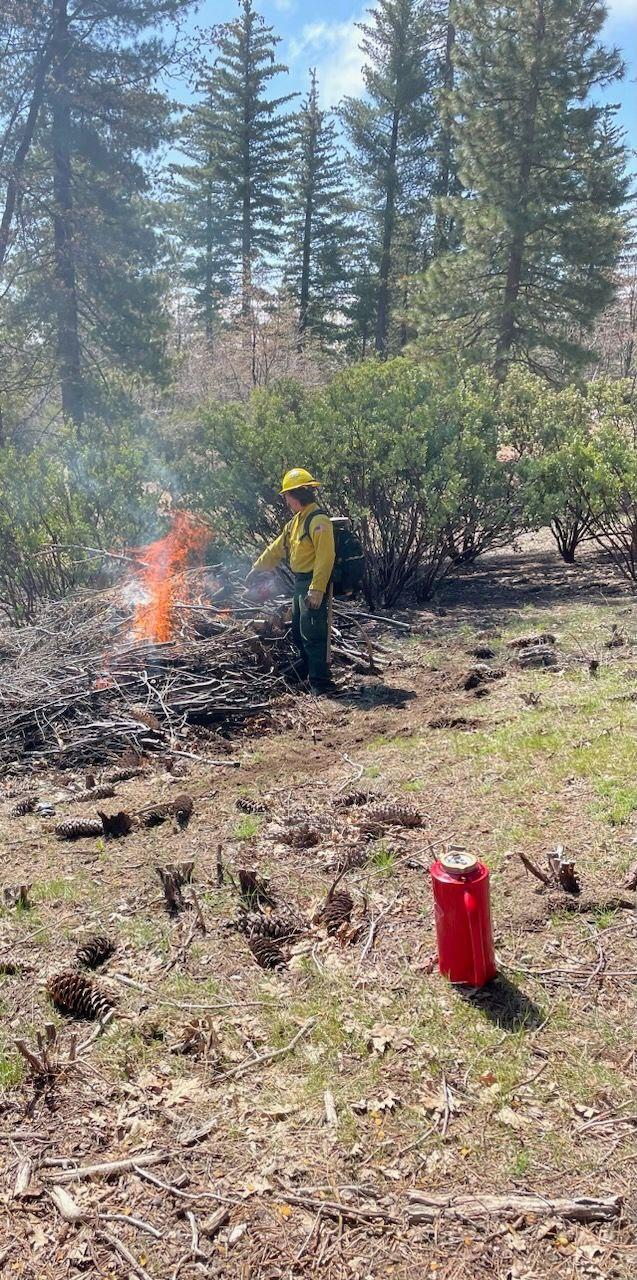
(458, 861)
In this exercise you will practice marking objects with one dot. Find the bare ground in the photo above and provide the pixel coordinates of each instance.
(529, 1086)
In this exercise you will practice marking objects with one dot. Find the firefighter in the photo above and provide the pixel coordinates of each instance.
(307, 543)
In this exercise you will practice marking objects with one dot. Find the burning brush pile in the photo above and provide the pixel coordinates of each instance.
(143, 666)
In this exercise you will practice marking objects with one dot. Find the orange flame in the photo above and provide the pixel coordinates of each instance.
(161, 575)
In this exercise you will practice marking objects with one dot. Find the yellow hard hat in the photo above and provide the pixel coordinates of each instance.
(297, 478)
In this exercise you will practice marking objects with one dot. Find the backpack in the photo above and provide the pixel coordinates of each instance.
(349, 565)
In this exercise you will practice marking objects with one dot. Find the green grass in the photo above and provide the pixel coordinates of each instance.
(59, 889)
(11, 1067)
(382, 858)
(248, 827)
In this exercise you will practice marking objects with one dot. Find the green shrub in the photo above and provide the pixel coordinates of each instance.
(578, 467)
(611, 485)
(63, 495)
(550, 428)
(409, 457)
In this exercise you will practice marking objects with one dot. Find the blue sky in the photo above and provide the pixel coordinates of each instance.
(326, 37)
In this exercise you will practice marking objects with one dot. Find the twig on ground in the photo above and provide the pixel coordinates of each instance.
(335, 1209)
(359, 770)
(37, 1065)
(134, 1222)
(109, 1167)
(176, 1191)
(194, 1237)
(425, 1206)
(373, 930)
(535, 871)
(96, 1033)
(331, 1117)
(120, 1248)
(251, 1064)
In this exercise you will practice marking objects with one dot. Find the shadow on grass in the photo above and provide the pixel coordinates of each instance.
(367, 697)
(504, 1004)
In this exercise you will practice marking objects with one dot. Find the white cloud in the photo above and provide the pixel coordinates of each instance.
(331, 47)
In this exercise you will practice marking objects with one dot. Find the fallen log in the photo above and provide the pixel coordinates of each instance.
(425, 1206)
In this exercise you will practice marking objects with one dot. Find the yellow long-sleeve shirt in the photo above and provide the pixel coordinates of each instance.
(313, 554)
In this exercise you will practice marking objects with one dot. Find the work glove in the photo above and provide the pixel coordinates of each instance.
(314, 598)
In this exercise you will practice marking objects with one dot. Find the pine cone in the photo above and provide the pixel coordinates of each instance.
(123, 775)
(75, 993)
(302, 836)
(154, 816)
(527, 642)
(266, 953)
(116, 824)
(25, 805)
(480, 675)
(97, 793)
(352, 799)
(181, 809)
(244, 805)
(376, 818)
(393, 815)
(337, 910)
(95, 950)
(254, 923)
(79, 828)
(349, 859)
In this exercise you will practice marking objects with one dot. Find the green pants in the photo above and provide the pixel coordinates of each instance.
(309, 631)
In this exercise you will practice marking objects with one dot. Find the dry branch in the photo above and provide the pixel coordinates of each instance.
(75, 682)
(336, 1209)
(426, 1206)
(120, 1248)
(253, 1064)
(65, 1205)
(114, 1166)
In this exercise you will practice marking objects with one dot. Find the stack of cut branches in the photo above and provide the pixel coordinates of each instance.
(77, 686)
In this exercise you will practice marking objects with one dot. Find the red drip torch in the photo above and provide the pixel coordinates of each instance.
(463, 919)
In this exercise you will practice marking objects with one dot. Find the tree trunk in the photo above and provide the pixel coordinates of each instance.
(68, 342)
(443, 224)
(382, 315)
(515, 264)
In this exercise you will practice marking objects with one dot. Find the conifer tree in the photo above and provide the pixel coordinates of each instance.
(246, 137)
(542, 163)
(201, 217)
(85, 250)
(391, 130)
(322, 222)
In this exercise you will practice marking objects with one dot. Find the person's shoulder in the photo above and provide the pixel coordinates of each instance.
(320, 521)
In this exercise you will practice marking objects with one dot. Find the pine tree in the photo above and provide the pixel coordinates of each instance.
(322, 230)
(201, 216)
(542, 162)
(85, 252)
(391, 130)
(244, 137)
